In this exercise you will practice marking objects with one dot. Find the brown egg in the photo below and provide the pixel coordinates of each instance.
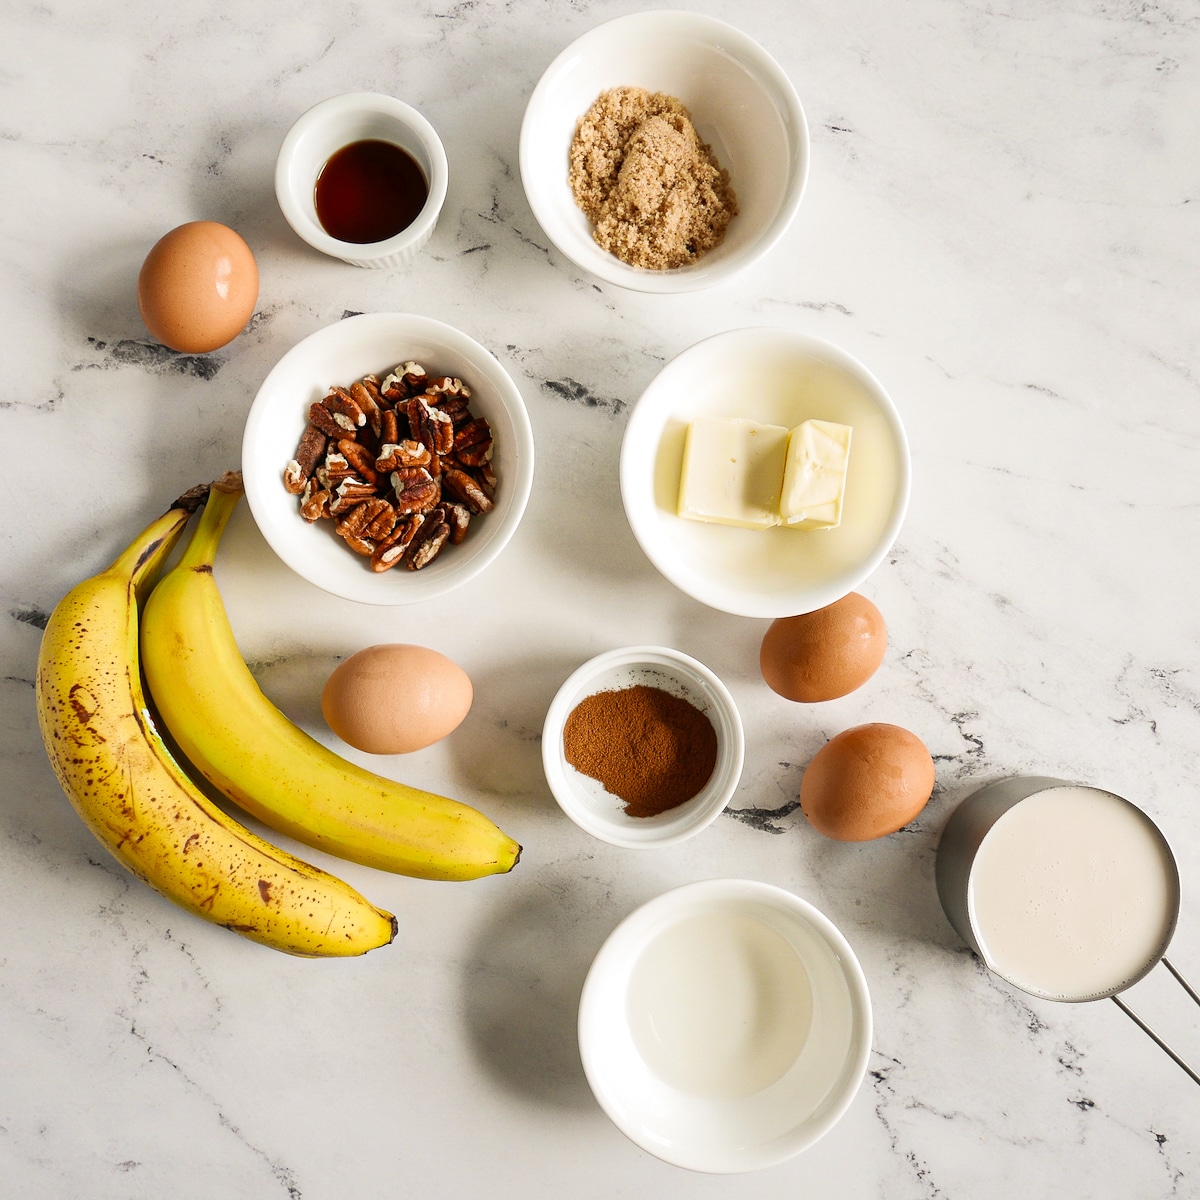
(824, 654)
(198, 287)
(867, 782)
(394, 699)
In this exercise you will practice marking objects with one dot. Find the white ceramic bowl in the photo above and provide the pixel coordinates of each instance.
(742, 104)
(778, 377)
(586, 801)
(725, 1026)
(326, 128)
(342, 353)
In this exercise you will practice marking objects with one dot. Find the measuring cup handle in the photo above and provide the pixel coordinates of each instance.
(1191, 991)
(1183, 983)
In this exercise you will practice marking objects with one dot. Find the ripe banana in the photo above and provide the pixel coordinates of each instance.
(136, 799)
(243, 745)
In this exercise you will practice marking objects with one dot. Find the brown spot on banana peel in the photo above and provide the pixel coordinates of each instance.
(84, 707)
(264, 890)
(152, 548)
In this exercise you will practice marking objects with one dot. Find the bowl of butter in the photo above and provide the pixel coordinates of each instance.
(765, 472)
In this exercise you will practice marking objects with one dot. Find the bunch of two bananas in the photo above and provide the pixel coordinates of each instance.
(145, 808)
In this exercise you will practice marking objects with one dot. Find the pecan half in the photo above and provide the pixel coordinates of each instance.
(406, 380)
(354, 521)
(360, 545)
(392, 388)
(458, 517)
(449, 385)
(416, 490)
(345, 410)
(294, 479)
(308, 454)
(323, 419)
(457, 408)
(335, 468)
(389, 427)
(392, 457)
(381, 519)
(462, 487)
(473, 443)
(366, 395)
(359, 458)
(485, 475)
(348, 493)
(430, 426)
(314, 504)
(389, 551)
(427, 545)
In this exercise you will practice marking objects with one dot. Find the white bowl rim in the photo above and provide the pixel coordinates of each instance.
(371, 588)
(629, 937)
(669, 828)
(830, 352)
(350, 102)
(607, 267)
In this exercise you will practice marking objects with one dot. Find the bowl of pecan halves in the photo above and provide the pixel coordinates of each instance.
(388, 458)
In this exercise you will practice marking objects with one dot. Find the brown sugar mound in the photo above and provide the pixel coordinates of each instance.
(654, 192)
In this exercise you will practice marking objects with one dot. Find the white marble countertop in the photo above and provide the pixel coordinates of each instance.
(1002, 221)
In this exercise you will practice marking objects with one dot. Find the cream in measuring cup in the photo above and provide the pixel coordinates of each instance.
(1068, 892)
(1072, 894)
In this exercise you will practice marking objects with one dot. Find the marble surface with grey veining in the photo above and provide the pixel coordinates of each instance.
(1002, 221)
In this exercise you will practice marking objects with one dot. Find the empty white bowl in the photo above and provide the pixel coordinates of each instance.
(340, 354)
(602, 814)
(778, 377)
(725, 1026)
(339, 121)
(741, 102)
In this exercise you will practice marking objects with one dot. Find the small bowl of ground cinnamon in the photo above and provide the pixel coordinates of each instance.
(643, 747)
(664, 151)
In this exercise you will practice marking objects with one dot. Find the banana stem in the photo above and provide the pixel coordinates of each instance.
(201, 551)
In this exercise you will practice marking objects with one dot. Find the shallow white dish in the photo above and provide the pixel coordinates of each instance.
(725, 1026)
(586, 801)
(779, 377)
(742, 104)
(342, 353)
(339, 121)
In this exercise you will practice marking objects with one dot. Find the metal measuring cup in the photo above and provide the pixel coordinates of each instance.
(957, 851)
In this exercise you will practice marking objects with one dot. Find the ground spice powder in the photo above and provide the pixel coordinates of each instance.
(653, 191)
(646, 746)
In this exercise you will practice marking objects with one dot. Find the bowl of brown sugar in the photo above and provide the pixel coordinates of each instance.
(664, 151)
(643, 747)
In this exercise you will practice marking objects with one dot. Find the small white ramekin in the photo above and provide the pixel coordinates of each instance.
(585, 800)
(326, 128)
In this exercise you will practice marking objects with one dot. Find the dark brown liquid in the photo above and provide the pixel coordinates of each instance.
(369, 191)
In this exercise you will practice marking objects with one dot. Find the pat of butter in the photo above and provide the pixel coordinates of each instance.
(732, 472)
(814, 479)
